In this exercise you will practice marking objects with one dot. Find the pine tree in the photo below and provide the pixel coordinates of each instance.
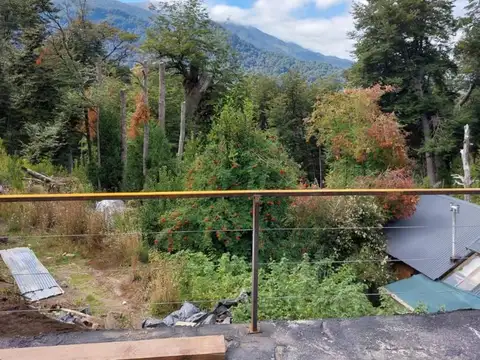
(29, 92)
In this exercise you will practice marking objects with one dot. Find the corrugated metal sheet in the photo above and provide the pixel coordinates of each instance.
(475, 246)
(436, 295)
(33, 279)
(433, 244)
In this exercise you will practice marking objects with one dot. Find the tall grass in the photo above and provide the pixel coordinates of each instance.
(75, 223)
(164, 284)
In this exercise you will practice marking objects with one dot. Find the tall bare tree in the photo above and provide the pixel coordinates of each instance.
(162, 93)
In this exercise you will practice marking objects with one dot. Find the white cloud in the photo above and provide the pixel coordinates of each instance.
(328, 35)
(325, 4)
(226, 13)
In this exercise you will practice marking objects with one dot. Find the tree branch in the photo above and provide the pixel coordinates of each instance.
(468, 94)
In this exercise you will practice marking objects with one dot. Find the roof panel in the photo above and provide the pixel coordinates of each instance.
(475, 246)
(436, 295)
(32, 278)
(425, 242)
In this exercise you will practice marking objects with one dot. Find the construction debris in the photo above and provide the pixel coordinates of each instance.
(32, 278)
(69, 316)
(190, 315)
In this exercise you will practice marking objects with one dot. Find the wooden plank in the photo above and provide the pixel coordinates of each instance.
(194, 348)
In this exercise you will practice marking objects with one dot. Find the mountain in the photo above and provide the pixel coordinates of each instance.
(258, 52)
(270, 43)
(270, 63)
(124, 16)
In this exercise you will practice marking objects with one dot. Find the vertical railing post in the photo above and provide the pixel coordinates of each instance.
(255, 239)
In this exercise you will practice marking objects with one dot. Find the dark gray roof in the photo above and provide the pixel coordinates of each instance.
(425, 240)
(475, 246)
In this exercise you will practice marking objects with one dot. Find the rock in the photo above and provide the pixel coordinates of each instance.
(3, 239)
(124, 303)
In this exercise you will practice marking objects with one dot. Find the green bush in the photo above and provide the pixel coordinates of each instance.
(236, 156)
(304, 290)
(11, 174)
(151, 210)
(336, 227)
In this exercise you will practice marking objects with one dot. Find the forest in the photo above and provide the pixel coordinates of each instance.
(173, 110)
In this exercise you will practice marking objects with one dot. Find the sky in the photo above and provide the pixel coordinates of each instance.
(319, 25)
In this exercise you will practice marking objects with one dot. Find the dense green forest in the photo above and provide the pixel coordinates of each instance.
(186, 116)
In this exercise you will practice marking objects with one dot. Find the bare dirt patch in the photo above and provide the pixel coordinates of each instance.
(110, 294)
(113, 294)
(18, 319)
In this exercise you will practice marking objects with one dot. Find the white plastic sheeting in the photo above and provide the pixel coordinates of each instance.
(109, 208)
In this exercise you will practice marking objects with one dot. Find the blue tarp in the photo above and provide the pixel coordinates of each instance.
(437, 296)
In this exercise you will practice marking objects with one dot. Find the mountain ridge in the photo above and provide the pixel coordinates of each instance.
(259, 52)
(268, 42)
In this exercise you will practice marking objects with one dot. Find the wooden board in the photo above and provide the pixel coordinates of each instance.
(195, 348)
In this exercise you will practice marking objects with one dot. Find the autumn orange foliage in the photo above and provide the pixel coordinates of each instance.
(395, 205)
(353, 125)
(43, 53)
(354, 128)
(139, 118)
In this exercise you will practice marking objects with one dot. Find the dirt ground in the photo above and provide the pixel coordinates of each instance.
(115, 295)
(21, 321)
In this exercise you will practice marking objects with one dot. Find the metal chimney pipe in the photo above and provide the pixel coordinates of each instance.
(455, 209)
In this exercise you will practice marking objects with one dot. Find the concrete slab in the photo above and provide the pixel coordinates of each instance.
(449, 336)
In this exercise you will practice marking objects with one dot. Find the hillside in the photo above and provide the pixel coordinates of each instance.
(258, 52)
(270, 63)
(266, 42)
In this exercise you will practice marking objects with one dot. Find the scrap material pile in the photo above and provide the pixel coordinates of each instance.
(190, 315)
(35, 283)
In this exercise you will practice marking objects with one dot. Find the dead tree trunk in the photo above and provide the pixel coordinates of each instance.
(97, 124)
(123, 129)
(37, 175)
(465, 153)
(161, 96)
(320, 163)
(146, 128)
(427, 132)
(427, 135)
(88, 135)
(437, 158)
(194, 91)
(181, 141)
